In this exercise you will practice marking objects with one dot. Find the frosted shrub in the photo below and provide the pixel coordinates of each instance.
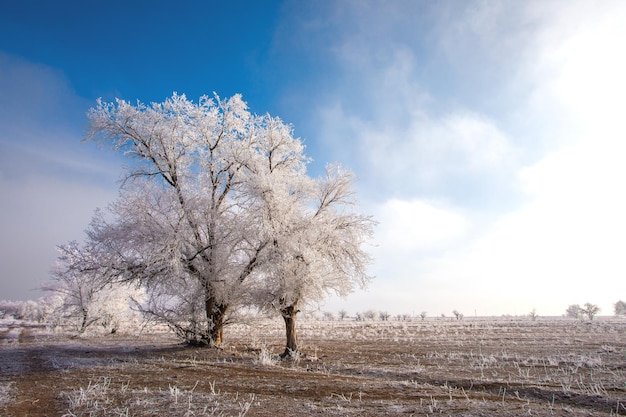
(84, 305)
(266, 358)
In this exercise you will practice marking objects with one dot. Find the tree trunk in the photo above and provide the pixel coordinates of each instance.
(83, 324)
(215, 314)
(289, 315)
(216, 326)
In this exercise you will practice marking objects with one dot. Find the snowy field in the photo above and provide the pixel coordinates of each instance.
(473, 367)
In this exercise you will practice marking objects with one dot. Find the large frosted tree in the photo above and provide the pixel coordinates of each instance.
(215, 211)
(183, 224)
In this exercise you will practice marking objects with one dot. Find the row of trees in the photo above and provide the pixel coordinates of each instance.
(216, 212)
(111, 308)
(115, 307)
(573, 311)
(576, 311)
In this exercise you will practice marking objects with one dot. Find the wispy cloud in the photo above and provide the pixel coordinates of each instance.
(508, 113)
(429, 156)
(39, 213)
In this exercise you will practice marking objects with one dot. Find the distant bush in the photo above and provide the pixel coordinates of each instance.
(8, 308)
(23, 310)
(574, 311)
(369, 315)
(590, 310)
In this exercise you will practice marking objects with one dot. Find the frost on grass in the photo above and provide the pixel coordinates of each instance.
(11, 335)
(5, 393)
(266, 358)
(102, 398)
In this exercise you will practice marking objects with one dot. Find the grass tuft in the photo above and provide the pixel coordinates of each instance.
(101, 398)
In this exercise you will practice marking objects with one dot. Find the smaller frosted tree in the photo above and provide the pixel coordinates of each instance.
(82, 299)
(22, 310)
(77, 287)
(369, 315)
(52, 307)
(316, 242)
(7, 308)
(590, 310)
(329, 316)
(574, 311)
(620, 308)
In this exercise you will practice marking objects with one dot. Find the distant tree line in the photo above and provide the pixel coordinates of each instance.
(577, 312)
(113, 308)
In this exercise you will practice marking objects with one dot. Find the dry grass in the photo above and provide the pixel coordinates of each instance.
(474, 367)
(102, 398)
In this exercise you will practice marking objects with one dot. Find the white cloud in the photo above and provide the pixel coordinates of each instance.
(425, 153)
(565, 243)
(550, 125)
(411, 227)
(587, 60)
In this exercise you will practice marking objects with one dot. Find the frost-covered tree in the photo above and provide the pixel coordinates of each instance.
(76, 284)
(329, 316)
(9, 308)
(52, 309)
(22, 310)
(574, 311)
(216, 211)
(590, 310)
(79, 298)
(316, 240)
(369, 315)
(183, 226)
(620, 308)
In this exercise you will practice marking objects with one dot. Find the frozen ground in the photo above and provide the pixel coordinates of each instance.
(473, 367)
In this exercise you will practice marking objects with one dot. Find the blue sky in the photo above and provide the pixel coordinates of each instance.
(487, 137)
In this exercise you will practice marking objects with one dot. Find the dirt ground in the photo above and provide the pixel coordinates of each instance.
(473, 367)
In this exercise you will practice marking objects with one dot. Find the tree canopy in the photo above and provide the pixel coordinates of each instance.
(216, 211)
